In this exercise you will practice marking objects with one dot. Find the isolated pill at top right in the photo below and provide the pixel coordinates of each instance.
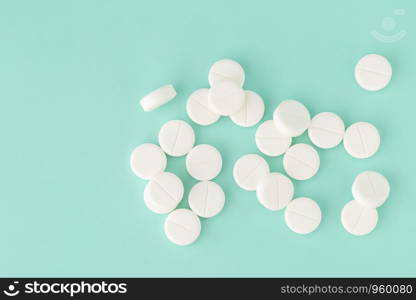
(373, 72)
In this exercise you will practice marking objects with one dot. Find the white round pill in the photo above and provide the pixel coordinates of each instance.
(147, 160)
(199, 108)
(361, 140)
(270, 140)
(248, 170)
(358, 219)
(176, 137)
(326, 130)
(291, 118)
(274, 191)
(158, 97)
(226, 97)
(303, 215)
(153, 206)
(224, 70)
(163, 192)
(182, 227)
(301, 161)
(370, 189)
(252, 111)
(373, 72)
(204, 162)
(206, 199)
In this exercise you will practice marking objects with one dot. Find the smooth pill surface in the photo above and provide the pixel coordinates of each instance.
(252, 111)
(301, 161)
(358, 219)
(147, 160)
(163, 192)
(274, 191)
(370, 189)
(226, 97)
(206, 199)
(226, 69)
(303, 215)
(291, 117)
(326, 130)
(270, 140)
(204, 162)
(248, 170)
(373, 72)
(155, 207)
(176, 137)
(361, 140)
(158, 97)
(182, 227)
(199, 108)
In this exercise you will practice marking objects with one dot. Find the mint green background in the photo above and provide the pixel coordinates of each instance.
(72, 74)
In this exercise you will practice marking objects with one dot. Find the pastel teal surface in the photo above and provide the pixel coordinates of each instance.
(71, 77)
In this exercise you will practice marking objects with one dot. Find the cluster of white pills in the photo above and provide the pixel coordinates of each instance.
(225, 97)
(165, 190)
(370, 190)
(274, 191)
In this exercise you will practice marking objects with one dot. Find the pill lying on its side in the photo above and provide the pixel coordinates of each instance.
(158, 97)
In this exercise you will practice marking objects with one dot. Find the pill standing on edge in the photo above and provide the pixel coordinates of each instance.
(248, 170)
(158, 97)
(147, 160)
(163, 192)
(301, 161)
(206, 199)
(370, 189)
(182, 227)
(199, 108)
(226, 69)
(274, 191)
(291, 117)
(303, 215)
(361, 140)
(226, 97)
(373, 72)
(270, 140)
(176, 137)
(358, 219)
(204, 162)
(326, 130)
(252, 111)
